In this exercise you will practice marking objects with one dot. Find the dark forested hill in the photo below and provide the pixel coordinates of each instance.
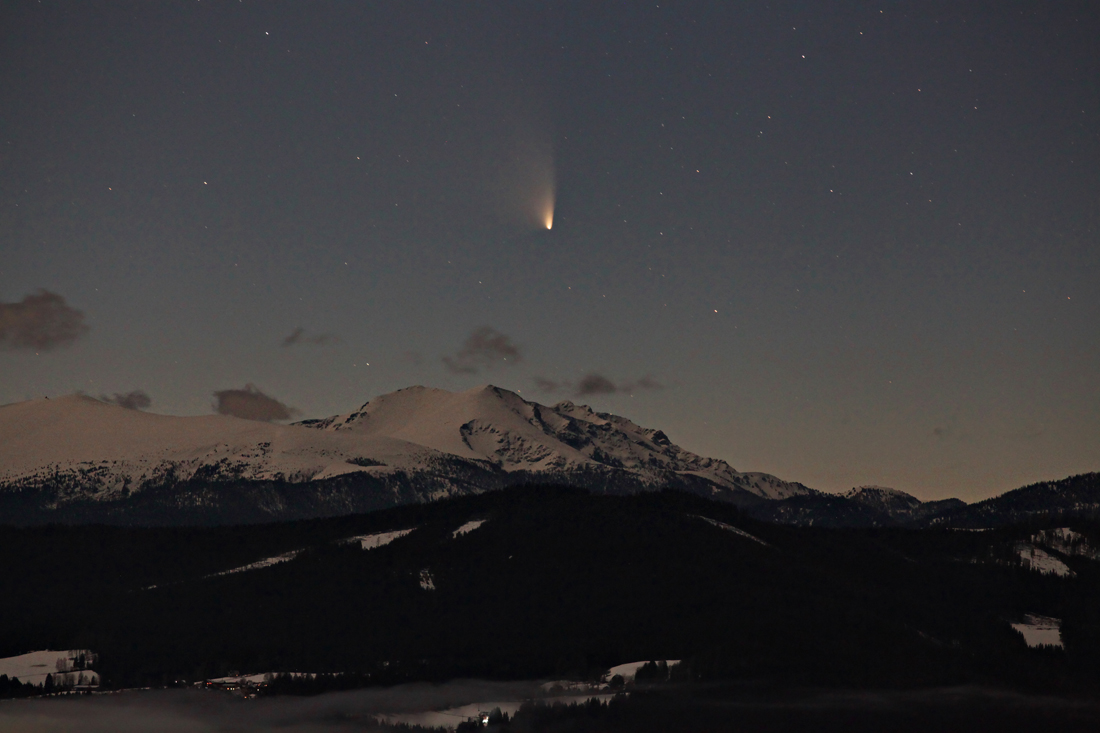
(551, 582)
(1072, 496)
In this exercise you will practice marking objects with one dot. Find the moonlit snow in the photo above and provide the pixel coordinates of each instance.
(1040, 630)
(1067, 542)
(378, 539)
(112, 451)
(1042, 561)
(629, 670)
(468, 527)
(367, 542)
(265, 563)
(731, 528)
(34, 666)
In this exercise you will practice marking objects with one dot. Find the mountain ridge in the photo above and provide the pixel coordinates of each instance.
(416, 444)
(78, 459)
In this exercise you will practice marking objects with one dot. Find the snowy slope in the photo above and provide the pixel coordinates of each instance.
(502, 429)
(65, 668)
(891, 502)
(80, 448)
(1067, 542)
(109, 448)
(1040, 630)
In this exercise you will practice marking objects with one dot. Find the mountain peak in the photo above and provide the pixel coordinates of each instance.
(428, 442)
(871, 489)
(892, 502)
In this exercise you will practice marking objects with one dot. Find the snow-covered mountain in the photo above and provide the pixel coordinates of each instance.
(900, 506)
(863, 506)
(492, 425)
(886, 500)
(411, 445)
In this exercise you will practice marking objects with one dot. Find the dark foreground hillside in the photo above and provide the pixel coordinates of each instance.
(555, 582)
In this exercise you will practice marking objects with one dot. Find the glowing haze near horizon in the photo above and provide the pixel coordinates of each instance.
(844, 243)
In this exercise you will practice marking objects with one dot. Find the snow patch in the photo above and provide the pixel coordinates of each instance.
(1040, 630)
(378, 539)
(427, 580)
(1067, 542)
(468, 527)
(1042, 561)
(64, 667)
(265, 563)
(731, 528)
(629, 670)
(367, 542)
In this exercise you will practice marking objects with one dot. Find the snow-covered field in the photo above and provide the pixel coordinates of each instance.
(468, 527)
(1067, 542)
(33, 667)
(1042, 561)
(366, 541)
(265, 563)
(378, 539)
(629, 670)
(1040, 630)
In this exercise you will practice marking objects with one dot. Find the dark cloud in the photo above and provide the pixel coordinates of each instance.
(251, 404)
(456, 367)
(646, 383)
(135, 400)
(483, 348)
(301, 336)
(596, 384)
(548, 385)
(40, 322)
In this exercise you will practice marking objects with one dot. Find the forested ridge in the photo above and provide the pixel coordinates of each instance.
(555, 582)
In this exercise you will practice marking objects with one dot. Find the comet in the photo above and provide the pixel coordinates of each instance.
(523, 177)
(535, 181)
(542, 178)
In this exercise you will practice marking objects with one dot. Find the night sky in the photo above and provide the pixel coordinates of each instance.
(840, 242)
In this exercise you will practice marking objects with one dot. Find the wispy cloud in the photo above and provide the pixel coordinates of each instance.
(135, 400)
(544, 384)
(251, 404)
(598, 384)
(594, 383)
(40, 322)
(300, 336)
(483, 349)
